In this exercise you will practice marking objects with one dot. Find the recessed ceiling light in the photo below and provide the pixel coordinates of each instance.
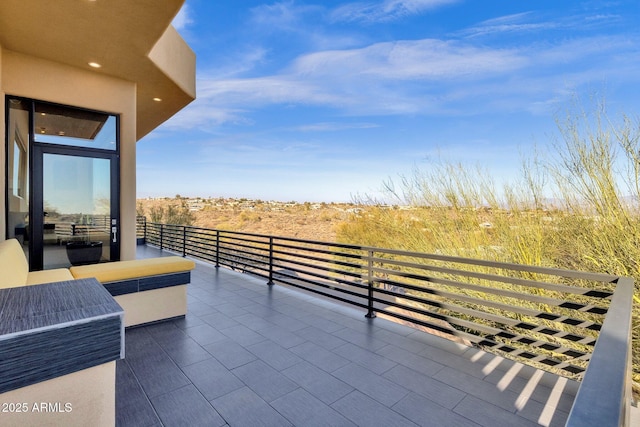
(94, 65)
(157, 99)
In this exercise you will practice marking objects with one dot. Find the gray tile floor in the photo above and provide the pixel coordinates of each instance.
(250, 355)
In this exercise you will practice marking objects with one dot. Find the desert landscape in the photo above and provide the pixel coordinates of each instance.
(307, 220)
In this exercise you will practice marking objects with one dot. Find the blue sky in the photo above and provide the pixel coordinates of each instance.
(323, 101)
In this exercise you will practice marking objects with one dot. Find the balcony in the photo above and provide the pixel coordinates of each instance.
(330, 343)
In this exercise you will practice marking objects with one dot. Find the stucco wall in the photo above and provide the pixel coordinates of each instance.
(174, 57)
(35, 78)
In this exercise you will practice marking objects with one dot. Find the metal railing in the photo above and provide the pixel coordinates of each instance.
(577, 324)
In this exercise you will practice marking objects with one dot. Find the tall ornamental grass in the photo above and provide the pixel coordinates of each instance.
(574, 206)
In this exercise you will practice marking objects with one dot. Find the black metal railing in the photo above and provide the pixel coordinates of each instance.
(577, 324)
(141, 229)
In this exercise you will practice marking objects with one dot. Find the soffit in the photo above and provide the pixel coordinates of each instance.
(69, 122)
(118, 34)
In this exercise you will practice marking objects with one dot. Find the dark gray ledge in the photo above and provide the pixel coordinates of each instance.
(55, 329)
(148, 283)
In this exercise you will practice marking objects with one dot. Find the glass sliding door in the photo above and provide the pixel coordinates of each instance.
(62, 183)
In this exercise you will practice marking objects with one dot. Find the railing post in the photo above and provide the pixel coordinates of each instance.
(161, 235)
(184, 241)
(370, 313)
(605, 394)
(217, 248)
(270, 282)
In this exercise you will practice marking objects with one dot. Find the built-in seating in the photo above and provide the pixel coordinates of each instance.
(15, 268)
(148, 290)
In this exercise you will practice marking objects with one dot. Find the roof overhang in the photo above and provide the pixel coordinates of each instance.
(131, 40)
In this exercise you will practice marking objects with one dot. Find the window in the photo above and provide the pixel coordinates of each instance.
(55, 124)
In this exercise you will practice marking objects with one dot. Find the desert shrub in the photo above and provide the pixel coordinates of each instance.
(177, 213)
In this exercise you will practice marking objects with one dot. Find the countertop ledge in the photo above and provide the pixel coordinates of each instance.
(43, 327)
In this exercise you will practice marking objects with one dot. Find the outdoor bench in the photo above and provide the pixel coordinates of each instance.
(148, 290)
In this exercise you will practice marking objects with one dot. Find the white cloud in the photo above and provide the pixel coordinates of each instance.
(241, 62)
(201, 114)
(376, 79)
(516, 23)
(281, 15)
(416, 77)
(386, 10)
(334, 126)
(410, 60)
(265, 90)
(528, 22)
(183, 18)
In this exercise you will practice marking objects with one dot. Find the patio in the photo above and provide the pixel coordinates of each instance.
(248, 354)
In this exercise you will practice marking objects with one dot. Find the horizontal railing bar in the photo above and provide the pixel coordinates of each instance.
(206, 257)
(321, 251)
(199, 242)
(230, 262)
(252, 272)
(200, 246)
(226, 245)
(598, 277)
(198, 250)
(498, 278)
(319, 267)
(232, 240)
(482, 315)
(243, 242)
(201, 237)
(573, 338)
(490, 330)
(328, 284)
(378, 270)
(244, 258)
(508, 266)
(487, 342)
(343, 263)
(494, 291)
(322, 285)
(199, 230)
(318, 292)
(550, 316)
(318, 275)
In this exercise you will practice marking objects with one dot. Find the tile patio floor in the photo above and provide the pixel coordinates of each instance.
(250, 355)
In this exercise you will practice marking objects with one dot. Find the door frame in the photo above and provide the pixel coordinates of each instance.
(36, 151)
(36, 205)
